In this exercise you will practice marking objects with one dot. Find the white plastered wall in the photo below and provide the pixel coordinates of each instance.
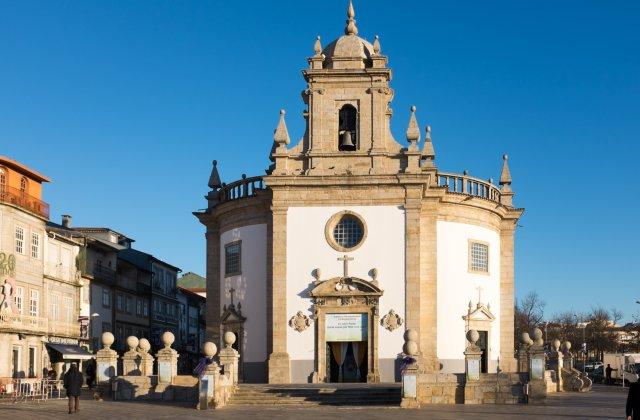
(457, 286)
(250, 286)
(307, 249)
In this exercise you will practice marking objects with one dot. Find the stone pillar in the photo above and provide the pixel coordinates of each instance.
(472, 356)
(106, 365)
(410, 370)
(228, 357)
(167, 359)
(207, 381)
(146, 359)
(523, 352)
(538, 385)
(556, 363)
(278, 363)
(507, 299)
(567, 355)
(131, 359)
(428, 281)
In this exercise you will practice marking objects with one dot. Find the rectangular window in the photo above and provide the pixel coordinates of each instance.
(54, 306)
(32, 362)
(68, 307)
(17, 365)
(19, 240)
(129, 305)
(478, 257)
(34, 302)
(19, 298)
(232, 258)
(145, 308)
(106, 298)
(138, 307)
(120, 302)
(35, 245)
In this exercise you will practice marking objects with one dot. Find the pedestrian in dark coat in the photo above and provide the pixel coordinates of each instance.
(73, 384)
(633, 402)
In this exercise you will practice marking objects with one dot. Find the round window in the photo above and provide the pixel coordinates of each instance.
(345, 231)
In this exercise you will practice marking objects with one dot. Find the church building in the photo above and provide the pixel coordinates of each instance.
(352, 237)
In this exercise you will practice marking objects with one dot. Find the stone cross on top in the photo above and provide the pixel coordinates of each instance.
(345, 264)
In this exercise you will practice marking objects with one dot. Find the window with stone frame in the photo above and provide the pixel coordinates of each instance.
(106, 298)
(19, 236)
(19, 298)
(34, 302)
(233, 259)
(478, 257)
(35, 245)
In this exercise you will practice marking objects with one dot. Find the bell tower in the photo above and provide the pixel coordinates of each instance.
(348, 113)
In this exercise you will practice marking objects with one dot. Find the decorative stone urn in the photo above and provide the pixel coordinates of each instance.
(168, 339)
(107, 340)
(146, 364)
(131, 359)
(229, 356)
(410, 370)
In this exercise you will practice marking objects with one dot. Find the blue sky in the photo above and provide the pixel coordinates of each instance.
(125, 104)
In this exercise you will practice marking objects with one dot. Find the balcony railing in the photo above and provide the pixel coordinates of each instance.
(246, 187)
(11, 195)
(105, 274)
(23, 323)
(71, 329)
(465, 184)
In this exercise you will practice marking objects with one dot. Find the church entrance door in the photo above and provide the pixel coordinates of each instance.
(483, 343)
(347, 361)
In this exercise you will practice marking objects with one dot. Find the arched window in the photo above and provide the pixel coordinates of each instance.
(24, 185)
(347, 128)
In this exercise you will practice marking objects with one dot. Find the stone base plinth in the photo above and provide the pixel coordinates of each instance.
(279, 368)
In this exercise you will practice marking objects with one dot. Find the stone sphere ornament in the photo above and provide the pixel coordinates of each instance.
(410, 348)
(144, 345)
(210, 349)
(537, 334)
(556, 344)
(132, 342)
(168, 338)
(107, 339)
(411, 335)
(229, 339)
(473, 336)
(525, 338)
(567, 345)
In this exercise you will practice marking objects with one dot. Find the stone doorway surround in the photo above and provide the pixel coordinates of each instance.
(346, 295)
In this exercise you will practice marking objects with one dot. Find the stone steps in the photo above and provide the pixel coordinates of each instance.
(317, 395)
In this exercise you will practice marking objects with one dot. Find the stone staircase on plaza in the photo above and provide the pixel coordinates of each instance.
(384, 395)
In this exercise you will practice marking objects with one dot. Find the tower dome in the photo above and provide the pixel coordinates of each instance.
(349, 51)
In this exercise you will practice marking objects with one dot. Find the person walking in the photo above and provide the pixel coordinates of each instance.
(73, 384)
(633, 401)
(607, 373)
(91, 373)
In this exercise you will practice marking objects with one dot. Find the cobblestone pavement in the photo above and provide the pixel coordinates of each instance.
(602, 403)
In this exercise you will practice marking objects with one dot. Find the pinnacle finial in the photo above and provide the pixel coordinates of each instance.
(214, 178)
(351, 28)
(317, 47)
(505, 175)
(281, 135)
(376, 45)
(413, 131)
(428, 151)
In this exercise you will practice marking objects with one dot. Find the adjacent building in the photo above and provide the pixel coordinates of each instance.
(164, 309)
(192, 327)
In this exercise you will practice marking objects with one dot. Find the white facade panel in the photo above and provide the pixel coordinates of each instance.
(250, 286)
(457, 287)
(307, 249)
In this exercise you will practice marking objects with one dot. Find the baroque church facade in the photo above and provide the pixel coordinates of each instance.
(353, 237)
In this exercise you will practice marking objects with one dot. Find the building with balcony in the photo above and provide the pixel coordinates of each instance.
(165, 307)
(98, 265)
(354, 236)
(24, 324)
(192, 328)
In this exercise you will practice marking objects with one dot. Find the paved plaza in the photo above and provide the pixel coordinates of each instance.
(601, 403)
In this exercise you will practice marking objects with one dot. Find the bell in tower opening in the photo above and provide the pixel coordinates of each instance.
(347, 133)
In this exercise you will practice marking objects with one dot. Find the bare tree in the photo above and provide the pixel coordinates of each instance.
(601, 330)
(529, 313)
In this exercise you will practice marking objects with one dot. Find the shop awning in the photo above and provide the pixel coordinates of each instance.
(71, 351)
